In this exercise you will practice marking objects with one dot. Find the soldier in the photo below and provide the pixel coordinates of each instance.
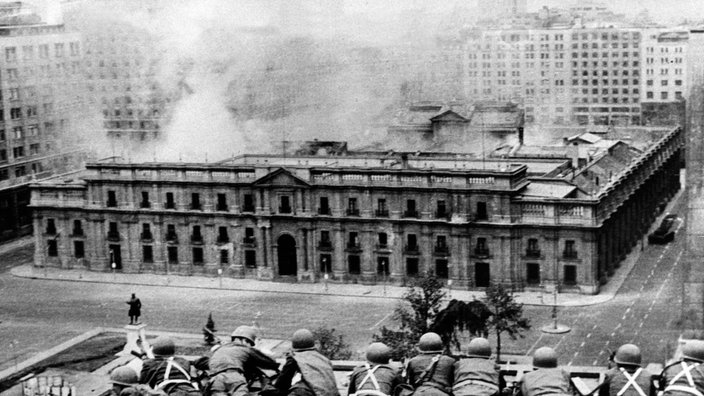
(306, 372)
(234, 364)
(547, 378)
(628, 378)
(431, 372)
(167, 372)
(125, 382)
(376, 377)
(477, 375)
(685, 377)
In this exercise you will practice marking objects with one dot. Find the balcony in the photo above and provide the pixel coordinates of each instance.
(442, 250)
(411, 249)
(324, 246)
(146, 236)
(442, 215)
(353, 247)
(197, 239)
(172, 238)
(113, 236)
(285, 209)
(249, 240)
(222, 208)
(570, 255)
(352, 212)
(481, 252)
(381, 213)
(382, 246)
(325, 211)
(533, 253)
(411, 213)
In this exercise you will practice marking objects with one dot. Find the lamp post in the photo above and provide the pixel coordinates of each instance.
(220, 276)
(113, 265)
(449, 288)
(325, 275)
(385, 272)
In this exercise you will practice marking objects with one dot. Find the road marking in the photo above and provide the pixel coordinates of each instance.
(628, 309)
(589, 335)
(595, 362)
(381, 321)
(641, 324)
(617, 327)
(613, 334)
(534, 344)
(582, 344)
(623, 317)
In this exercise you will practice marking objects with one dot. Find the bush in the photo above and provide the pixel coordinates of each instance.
(332, 344)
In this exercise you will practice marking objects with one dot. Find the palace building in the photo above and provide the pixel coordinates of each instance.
(365, 217)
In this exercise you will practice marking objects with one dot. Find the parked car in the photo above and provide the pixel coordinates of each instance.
(663, 234)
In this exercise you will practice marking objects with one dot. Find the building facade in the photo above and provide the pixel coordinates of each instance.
(372, 218)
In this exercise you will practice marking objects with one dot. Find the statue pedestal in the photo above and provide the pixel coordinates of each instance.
(135, 333)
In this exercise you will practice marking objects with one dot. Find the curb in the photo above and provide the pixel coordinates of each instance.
(41, 356)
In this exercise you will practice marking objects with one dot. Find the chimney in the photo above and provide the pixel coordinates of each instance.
(573, 153)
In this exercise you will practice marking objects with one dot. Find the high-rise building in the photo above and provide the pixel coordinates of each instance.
(664, 71)
(41, 107)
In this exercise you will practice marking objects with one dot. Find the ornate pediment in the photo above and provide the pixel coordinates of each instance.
(282, 178)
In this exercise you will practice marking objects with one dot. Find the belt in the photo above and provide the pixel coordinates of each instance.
(485, 384)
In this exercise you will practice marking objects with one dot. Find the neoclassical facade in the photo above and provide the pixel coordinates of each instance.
(372, 218)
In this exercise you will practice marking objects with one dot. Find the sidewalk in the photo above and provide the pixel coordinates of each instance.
(607, 292)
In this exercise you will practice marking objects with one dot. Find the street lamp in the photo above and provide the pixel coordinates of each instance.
(220, 275)
(325, 275)
(385, 273)
(113, 265)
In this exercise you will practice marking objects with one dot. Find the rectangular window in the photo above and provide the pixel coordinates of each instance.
(482, 275)
(249, 235)
(383, 240)
(410, 208)
(284, 204)
(79, 250)
(481, 211)
(325, 239)
(222, 203)
(248, 203)
(171, 233)
(196, 236)
(570, 251)
(381, 209)
(113, 234)
(224, 256)
(52, 247)
(145, 200)
(533, 273)
(533, 250)
(197, 255)
(441, 210)
(77, 228)
(411, 243)
(441, 269)
(172, 253)
(570, 274)
(170, 204)
(10, 54)
(353, 240)
(15, 114)
(112, 199)
(59, 50)
(195, 201)
(354, 267)
(222, 235)
(324, 206)
(411, 266)
(146, 231)
(250, 258)
(441, 244)
(382, 266)
(147, 254)
(352, 209)
(326, 263)
(481, 249)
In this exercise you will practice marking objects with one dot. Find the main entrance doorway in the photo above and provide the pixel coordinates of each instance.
(287, 255)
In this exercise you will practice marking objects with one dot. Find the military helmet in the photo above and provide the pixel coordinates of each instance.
(693, 350)
(163, 346)
(628, 354)
(378, 353)
(479, 348)
(545, 357)
(124, 375)
(430, 342)
(302, 339)
(248, 333)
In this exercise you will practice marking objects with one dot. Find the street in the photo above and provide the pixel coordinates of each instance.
(36, 314)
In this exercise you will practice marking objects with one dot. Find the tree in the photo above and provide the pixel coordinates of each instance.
(332, 344)
(424, 295)
(459, 317)
(506, 315)
(209, 330)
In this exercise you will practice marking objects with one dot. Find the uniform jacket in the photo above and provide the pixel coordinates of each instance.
(387, 377)
(476, 377)
(546, 381)
(672, 371)
(153, 372)
(240, 357)
(315, 370)
(443, 375)
(615, 381)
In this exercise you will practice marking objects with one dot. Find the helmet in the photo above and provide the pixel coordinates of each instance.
(545, 357)
(124, 375)
(378, 353)
(693, 350)
(163, 346)
(430, 342)
(479, 348)
(248, 333)
(628, 354)
(302, 339)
